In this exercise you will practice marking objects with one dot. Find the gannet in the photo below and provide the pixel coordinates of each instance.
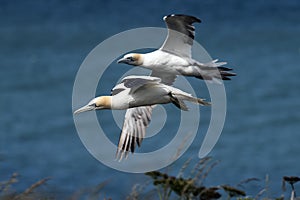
(141, 93)
(174, 57)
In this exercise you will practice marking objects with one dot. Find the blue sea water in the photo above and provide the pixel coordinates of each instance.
(43, 43)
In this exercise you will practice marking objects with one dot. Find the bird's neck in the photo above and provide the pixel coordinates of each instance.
(140, 59)
(151, 59)
(105, 102)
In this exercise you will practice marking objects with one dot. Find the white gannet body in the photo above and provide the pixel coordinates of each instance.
(140, 93)
(137, 91)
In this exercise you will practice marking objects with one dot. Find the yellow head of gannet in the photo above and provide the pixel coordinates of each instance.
(135, 59)
(98, 103)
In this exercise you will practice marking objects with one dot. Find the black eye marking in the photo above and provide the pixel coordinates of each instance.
(130, 58)
(93, 104)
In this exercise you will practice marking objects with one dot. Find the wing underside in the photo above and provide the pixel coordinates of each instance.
(181, 34)
(137, 119)
(134, 129)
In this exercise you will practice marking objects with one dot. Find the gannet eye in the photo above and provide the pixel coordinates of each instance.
(130, 58)
(93, 105)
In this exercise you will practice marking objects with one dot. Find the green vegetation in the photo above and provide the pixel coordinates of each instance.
(161, 186)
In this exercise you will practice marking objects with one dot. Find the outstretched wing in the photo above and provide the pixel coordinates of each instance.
(136, 119)
(133, 83)
(181, 33)
(134, 129)
(166, 78)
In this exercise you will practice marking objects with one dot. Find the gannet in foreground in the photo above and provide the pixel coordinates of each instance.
(175, 58)
(136, 91)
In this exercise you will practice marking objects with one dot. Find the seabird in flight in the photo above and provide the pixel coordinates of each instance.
(142, 93)
(174, 57)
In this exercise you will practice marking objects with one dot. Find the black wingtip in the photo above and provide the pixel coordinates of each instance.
(192, 18)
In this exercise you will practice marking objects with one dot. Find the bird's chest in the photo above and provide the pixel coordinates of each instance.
(172, 62)
(121, 102)
(162, 61)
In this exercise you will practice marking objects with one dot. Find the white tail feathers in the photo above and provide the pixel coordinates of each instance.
(215, 63)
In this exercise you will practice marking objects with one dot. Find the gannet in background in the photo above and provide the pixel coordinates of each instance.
(175, 55)
(142, 92)
(172, 59)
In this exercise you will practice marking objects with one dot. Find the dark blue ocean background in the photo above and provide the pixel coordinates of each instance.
(43, 43)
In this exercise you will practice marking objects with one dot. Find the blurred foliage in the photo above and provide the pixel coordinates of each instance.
(187, 184)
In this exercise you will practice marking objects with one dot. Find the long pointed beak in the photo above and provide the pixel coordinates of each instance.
(122, 60)
(84, 109)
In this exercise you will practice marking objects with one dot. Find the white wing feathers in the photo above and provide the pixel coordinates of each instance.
(134, 129)
(181, 34)
(166, 78)
(133, 83)
(137, 119)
